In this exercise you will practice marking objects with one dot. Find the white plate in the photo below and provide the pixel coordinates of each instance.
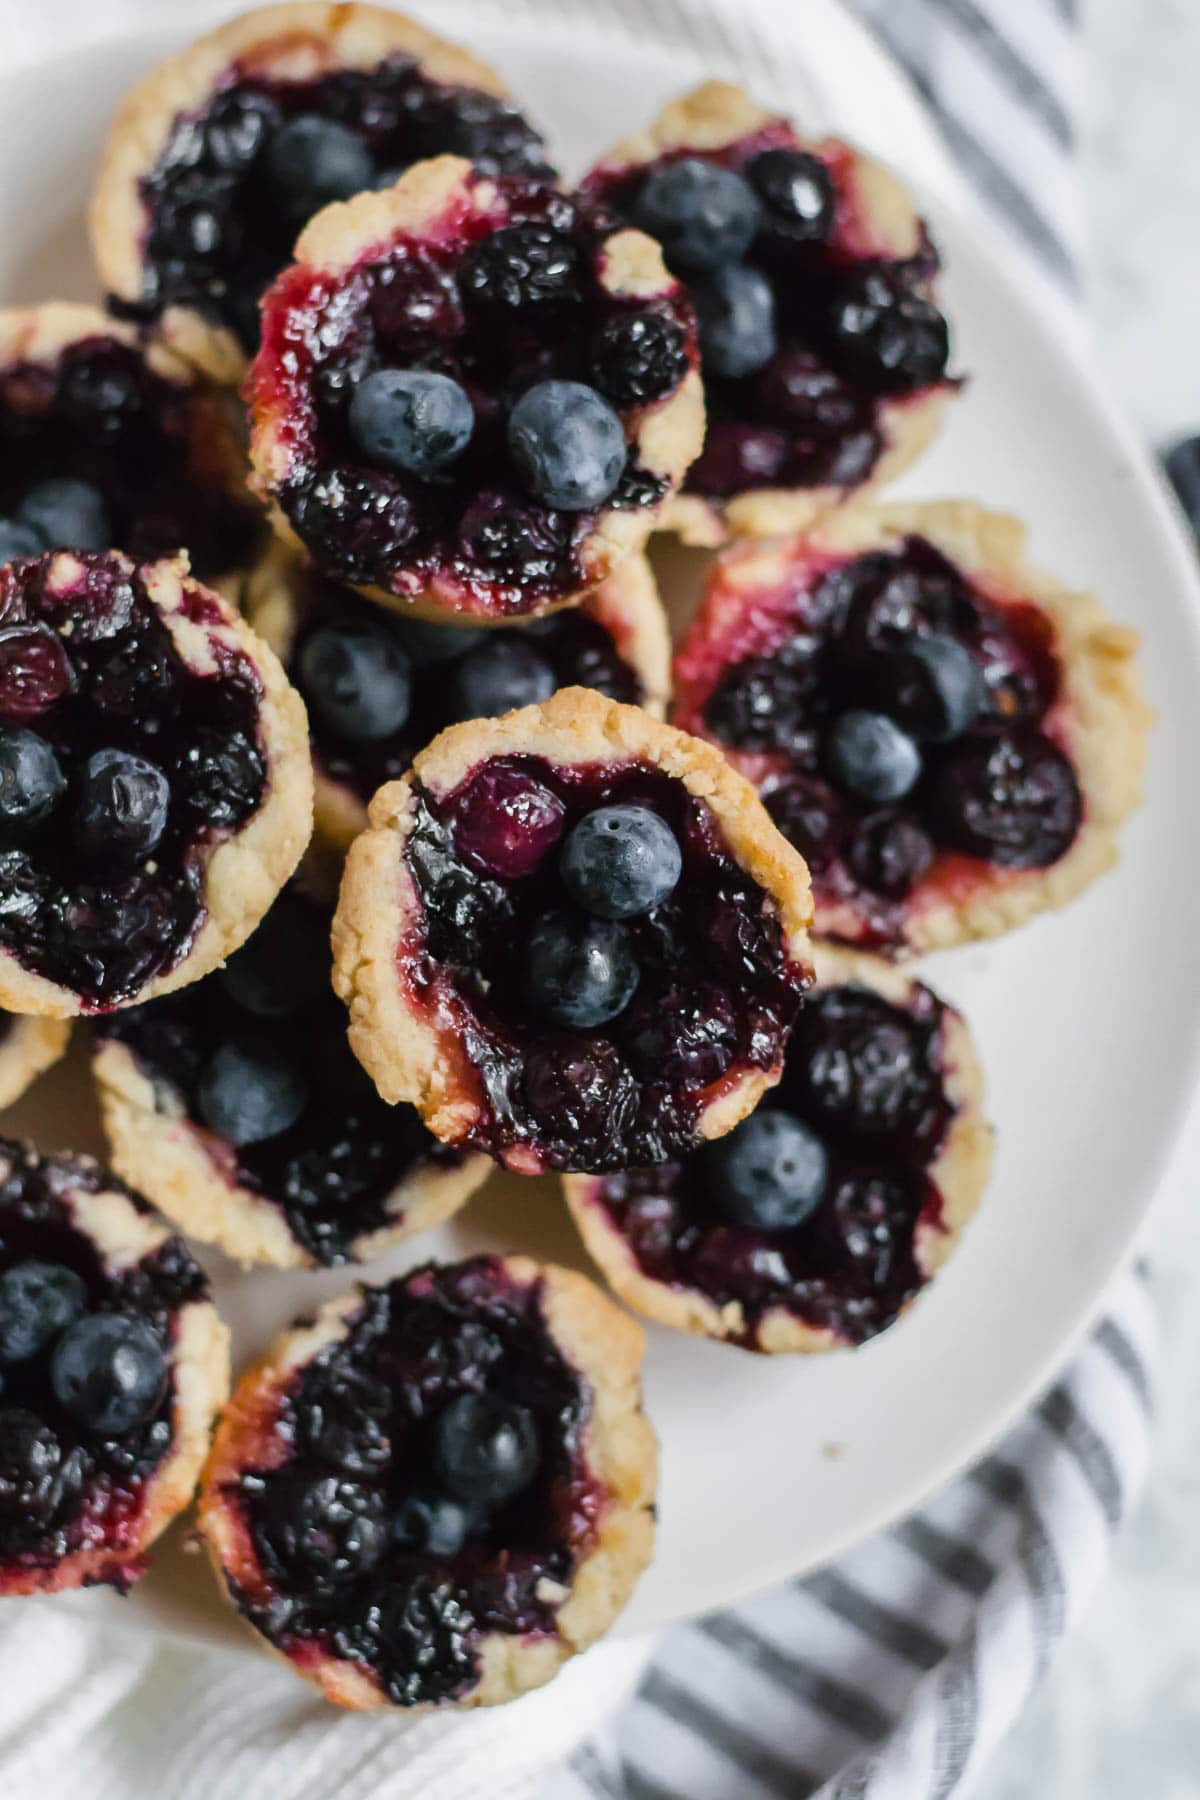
(1087, 1020)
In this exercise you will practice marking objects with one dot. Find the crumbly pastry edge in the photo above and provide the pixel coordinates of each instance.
(30, 1047)
(408, 1056)
(960, 1172)
(605, 1346)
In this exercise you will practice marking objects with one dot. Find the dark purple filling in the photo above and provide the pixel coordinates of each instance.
(100, 415)
(218, 236)
(96, 669)
(881, 1113)
(717, 994)
(86, 1491)
(363, 1410)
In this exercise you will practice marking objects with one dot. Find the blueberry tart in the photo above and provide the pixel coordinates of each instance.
(474, 394)
(439, 1490)
(155, 781)
(572, 938)
(951, 738)
(114, 1363)
(823, 350)
(378, 687)
(238, 1109)
(818, 1220)
(220, 155)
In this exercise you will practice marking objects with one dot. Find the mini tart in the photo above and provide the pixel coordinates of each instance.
(28, 1047)
(887, 1075)
(82, 397)
(92, 1505)
(431, 924)
(352, 1397)
(377, 283)
(349, 1178)
(191, 136)
(615, 641)
(814, 426)
(1018, 814)
(99, 652)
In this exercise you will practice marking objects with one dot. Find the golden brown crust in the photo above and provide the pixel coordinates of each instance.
(421, 1058)
(27, 1049)
(959, 1171)
(605, 1347)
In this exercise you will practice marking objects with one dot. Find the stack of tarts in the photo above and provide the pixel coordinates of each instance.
(566, 908)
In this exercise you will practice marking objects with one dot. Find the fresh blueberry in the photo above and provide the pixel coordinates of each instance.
(31, 782)
(311, 161)
(769, 1173)
(735, 314)
(485, 1449)
(109, 1372)
(121, 809)
(433, 1524)
(499, 674)
(250, 1092)
(797, 191)
(427, 643)
(357, 679)
(568, 444)
(283, 970)
(1182, 463)
(701, 214)
(934, 687)
(620, 861)
(870, 755)
(411, 419)
(889, 336)
(18, 540)
(38, 1300)
(579, 971)
(67, 514)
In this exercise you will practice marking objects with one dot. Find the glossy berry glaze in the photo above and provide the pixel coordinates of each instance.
(869, 1078)
(765, 672)
(87, 663)
(63, 1490)
(474, 535)
(717, 993)
(361, 1414)
(333, 1171)
(217, 233)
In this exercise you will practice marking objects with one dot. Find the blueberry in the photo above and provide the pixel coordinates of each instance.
(428, 644)
(17, 540)
(870, 755)
(890, 854)
(769, 1174)
(701, 214)
(485, 1449)
(67, 514)
(499, 674)
(283, 970)
(860, 1064)
(637, 357)
(579, 971)
(568, 444)
(411, 419)
(222, 776)
(684, 1034)
(38, 1300)
(889, 336)
(311, 161)
(620, 861)
(520, 266)
(735, 315)
(121, 807)
(357, 679)
(1012, 800)
(433, 1524)
(934, 687)
(109, 1372)
(1182, 463)
(31, 782)
(250, 1092)
(797, 191)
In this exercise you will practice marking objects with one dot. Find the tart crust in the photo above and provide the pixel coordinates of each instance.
(710, 117)
(299, 41)
(960, 1171)
(668, 433)
(416, 1057)
(28, 1048)
(247, 869)
(605, 1347)
(199, 1360)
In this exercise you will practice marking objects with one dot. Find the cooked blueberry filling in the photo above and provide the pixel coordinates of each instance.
(437, 1489)
(896, 715)
(86, 1396)
(812, 1204)
(118, 764)
(802, 334)
(258, 1055)
(459, 405)
(99, 452)
(606, 960)
(239, 179)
